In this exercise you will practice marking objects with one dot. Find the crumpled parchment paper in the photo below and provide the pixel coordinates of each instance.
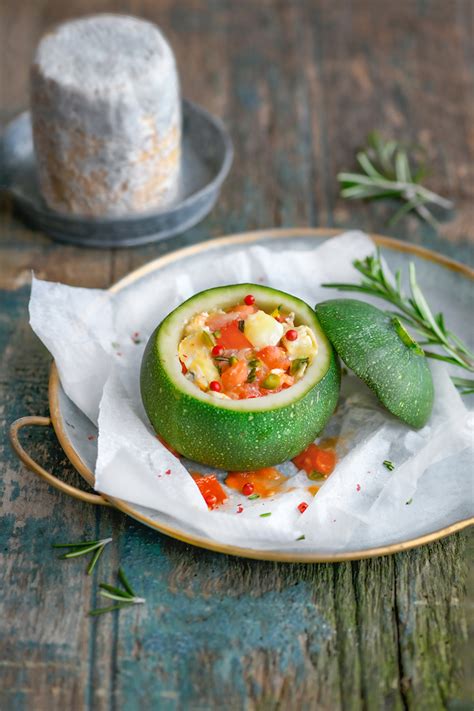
(97, 339)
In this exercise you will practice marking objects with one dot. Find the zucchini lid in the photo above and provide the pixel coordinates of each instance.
(377, 347)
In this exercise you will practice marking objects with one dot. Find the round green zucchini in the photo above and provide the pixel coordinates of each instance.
(377, 347)
(236, 434)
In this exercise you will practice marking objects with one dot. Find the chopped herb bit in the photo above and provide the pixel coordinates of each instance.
(241, 326)
(316, 476)
(253, 496)
(217, 334)
(233, 360)
(389, 465)
(264, 515)
(114, 344)
(301, 538)
(407, 503)
(252, 375)
(298, 365)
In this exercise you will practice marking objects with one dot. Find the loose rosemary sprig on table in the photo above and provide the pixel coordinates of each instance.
(82, 548)
(415, 312)
(386, 172)
(123, 596)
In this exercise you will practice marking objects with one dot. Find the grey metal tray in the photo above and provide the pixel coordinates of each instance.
(207, 157)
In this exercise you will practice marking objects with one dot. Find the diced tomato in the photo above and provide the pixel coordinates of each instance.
(235, 375)
(245, 391)
(274, 357)
(243, 310)
(211, 490)
(266, 482)
(232, 338)
(314, 459)
(236, 313)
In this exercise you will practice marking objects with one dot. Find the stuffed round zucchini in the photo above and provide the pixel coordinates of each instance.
(239, 377)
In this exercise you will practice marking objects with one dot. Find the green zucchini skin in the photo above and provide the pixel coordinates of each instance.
(235, 440)
(369, 343)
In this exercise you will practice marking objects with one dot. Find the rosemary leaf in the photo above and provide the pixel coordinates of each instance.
(110, 608)
(112, 596)
(386, 171)
(123, 579)
(94, 559)
(116, 591)
(80, 544)
(81, 551)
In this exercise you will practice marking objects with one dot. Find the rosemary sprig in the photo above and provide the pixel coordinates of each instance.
(386, 172)
(82, 548)
(124, 596)
(415, 312)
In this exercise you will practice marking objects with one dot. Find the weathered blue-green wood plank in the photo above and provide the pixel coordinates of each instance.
(300, 85)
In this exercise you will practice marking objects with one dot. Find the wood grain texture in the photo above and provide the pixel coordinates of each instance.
(299, 85)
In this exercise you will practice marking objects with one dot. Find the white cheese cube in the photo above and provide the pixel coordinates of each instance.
(197, 359)
(305, 345)
(262, 330)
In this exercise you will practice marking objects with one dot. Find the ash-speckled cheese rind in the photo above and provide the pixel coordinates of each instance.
(106, 114)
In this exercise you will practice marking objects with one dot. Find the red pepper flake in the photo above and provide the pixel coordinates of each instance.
(168, 471)
(248, 488)
(249, 299)
(90, 437)
(240, 508)
(358, 487)
(302, 507)
(119, 354)
(291, 335)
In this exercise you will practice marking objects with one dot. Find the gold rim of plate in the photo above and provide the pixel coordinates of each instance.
(202, 542)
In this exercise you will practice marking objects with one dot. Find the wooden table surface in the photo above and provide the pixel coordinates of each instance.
(299, 85)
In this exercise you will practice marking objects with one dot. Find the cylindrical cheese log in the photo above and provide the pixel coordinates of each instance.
(106, 115)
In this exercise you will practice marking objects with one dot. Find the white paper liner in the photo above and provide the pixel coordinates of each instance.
(92, 336)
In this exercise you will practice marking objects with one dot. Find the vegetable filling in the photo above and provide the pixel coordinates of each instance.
(245, 352)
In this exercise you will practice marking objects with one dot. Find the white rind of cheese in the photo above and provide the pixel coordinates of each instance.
(262, 330)
(106, 115)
